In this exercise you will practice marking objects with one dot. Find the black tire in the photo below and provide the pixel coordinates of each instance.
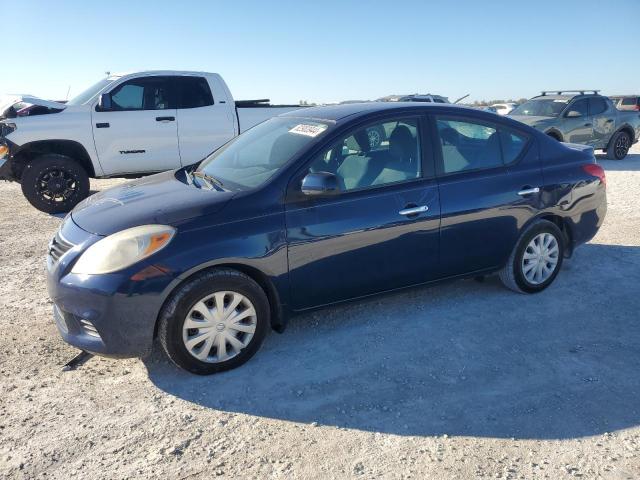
(512, 275)
(618, 146)
(176, 309)
(54, 183)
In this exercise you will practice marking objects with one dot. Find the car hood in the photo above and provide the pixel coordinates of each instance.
(158, 199)
(531, 119)
(8, 101)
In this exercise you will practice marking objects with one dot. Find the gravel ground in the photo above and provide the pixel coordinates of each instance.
(463, 380)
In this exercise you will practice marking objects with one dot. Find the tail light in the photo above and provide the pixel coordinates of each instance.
(597, 171)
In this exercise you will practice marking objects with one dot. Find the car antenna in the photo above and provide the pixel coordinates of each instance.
(462, 98)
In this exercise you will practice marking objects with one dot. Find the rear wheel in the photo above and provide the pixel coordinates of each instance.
(215, 322)
(535, 260)
(54, 183)
(619, 146)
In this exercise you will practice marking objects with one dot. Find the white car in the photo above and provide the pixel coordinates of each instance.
(503, 108)
(132, 124)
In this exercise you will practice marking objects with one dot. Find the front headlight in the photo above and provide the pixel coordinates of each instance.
(123, 249)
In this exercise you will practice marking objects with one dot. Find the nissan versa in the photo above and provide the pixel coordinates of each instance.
(303, 211)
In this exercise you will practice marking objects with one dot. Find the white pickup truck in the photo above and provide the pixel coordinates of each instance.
(124, 125)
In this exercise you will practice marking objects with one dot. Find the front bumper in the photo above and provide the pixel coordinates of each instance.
(6, 168)
(111, 314)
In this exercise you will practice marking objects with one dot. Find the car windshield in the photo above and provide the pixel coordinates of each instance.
(255, 156)
(541, 108)
(91, 92)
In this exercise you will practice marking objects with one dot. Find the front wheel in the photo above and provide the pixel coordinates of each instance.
(215, 322)
(619, 146)
(535, 260)
(54, 183)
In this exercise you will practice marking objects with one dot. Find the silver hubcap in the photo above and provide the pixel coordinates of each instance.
(540, 258)
(219, 326)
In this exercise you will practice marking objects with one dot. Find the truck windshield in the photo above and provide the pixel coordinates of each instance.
(91, 92)
(541, 108)
(255, 156)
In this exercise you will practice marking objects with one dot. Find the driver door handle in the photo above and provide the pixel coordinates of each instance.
(414, 210)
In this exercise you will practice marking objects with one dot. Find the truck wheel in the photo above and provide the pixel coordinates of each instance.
(54, 183)
(535, 260)
(618, 146)
(215, 322)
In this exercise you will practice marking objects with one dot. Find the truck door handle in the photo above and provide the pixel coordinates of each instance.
(413, 210)
(165, 119)
(587, 124)
(102, 125)
(528, 191)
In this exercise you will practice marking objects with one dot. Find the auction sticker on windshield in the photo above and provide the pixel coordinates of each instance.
(308, 130)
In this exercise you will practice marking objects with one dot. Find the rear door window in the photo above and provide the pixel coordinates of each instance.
(468, 145)
(193, 92)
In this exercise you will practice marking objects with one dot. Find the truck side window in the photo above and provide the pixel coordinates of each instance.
(598, 105)
(151, 93)
(193, 92)
(580, 106)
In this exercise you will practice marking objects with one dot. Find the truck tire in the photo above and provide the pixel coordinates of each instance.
(228, 317)
(54, 183)
(618, 146)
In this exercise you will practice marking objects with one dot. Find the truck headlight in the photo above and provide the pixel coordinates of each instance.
(123, 249)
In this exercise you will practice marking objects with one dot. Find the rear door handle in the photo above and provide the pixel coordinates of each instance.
(102, 125)
(414, 210)
(165, 119)
(529, 191)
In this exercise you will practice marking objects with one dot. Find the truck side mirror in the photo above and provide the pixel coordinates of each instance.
(320, 183)
(104, 102)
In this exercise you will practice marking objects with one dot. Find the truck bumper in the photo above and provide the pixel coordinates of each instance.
(6, 165)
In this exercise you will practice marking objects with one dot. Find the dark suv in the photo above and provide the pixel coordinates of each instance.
(302, 211)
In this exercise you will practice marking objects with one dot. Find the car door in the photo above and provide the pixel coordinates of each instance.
(380, 232)
(136, 130)
(204, 123)
(577, 125)
(603, 116)
(488, 176)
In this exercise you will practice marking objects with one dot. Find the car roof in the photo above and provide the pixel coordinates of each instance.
(339, 112)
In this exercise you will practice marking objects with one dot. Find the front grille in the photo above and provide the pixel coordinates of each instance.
(58, 247)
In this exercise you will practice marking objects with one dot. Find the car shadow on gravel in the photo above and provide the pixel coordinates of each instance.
(464, 358)
(631, 163)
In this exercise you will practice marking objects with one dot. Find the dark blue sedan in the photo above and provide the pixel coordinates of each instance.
(314, 207)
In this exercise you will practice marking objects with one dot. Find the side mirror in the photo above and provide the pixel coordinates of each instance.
(104, 102)
(320, 183)
(573, 114)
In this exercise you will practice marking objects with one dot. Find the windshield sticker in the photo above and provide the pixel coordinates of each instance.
(308, 130)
